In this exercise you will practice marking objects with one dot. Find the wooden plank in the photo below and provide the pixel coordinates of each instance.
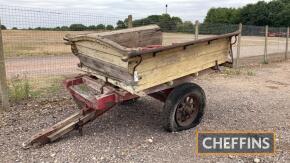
(176, 71)
(99, 46)
(126, 86)
(266, 44)
(41, 137)
(177, 63)
(106, 68)
(239, 45)
(90, 116)
(131, 37)
(99, 52)
(4, 99)
(196, 29)
(172, 56)
(137, 39)
(287, 43)
(130, 21)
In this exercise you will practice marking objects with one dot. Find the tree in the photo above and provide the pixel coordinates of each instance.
(77, 27)
(120, 25)
(273, 13)
(186, 26)
(164, 21)
(223, 15)
(284, 16)
(15, 28)
(255, 14)
(109, 27)
(276, 9)
(57, 29)
(64, 28)
(3, 27)
(92, 27)
(101, 27)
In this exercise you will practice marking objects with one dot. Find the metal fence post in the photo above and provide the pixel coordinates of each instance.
(287, 44)
(239, 45)
(3, 81)
(266, 45)
(196, 29)
(130, 21)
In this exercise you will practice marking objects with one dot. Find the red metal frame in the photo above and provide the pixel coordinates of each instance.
(110, 96)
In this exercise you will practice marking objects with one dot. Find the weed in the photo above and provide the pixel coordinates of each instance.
(19, 89)
(251, 73)
(231, 72)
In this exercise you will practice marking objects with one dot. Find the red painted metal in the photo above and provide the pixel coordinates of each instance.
(161, 95)
(106, 101)
(109, 97)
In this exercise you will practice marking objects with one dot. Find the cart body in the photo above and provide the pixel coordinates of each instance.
(136, 59)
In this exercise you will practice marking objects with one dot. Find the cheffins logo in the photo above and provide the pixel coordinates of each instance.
(235, 142)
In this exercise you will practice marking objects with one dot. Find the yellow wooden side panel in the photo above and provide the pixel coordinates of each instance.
(102, 52)
(176, 63)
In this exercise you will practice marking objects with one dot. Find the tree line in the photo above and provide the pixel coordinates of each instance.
(274, 13)
(166, 22)
(72, 27)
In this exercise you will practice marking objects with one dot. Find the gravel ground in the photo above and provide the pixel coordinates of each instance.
(256, 99)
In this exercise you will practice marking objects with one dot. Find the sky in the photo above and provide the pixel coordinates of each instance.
(186, 9)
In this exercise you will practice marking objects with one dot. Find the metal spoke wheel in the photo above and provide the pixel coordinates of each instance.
(184, 107)
(187, 110)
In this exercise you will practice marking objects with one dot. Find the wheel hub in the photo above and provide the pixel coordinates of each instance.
(187, 110)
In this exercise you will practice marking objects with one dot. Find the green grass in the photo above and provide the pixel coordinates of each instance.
(231, 71)
(251, 73)
(238, 71)
(23, 88)
(19, 89)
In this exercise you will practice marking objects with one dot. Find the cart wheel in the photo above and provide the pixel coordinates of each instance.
(79, 104)
(184, 107)
(130, 102)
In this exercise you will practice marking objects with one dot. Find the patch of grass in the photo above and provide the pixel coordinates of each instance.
(231, 71)
(48, 86)
(240, 71)
(54, 86)
(23, 88)
(20, 89)
(251, 73)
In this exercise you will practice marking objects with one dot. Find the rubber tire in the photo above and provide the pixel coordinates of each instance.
(172, 101)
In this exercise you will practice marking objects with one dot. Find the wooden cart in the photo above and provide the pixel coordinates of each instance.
(120, 66)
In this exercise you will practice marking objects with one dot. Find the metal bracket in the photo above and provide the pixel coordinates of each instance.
(217, 67)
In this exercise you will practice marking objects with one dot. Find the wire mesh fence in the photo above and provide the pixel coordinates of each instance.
(37, 58)
(255, 45)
